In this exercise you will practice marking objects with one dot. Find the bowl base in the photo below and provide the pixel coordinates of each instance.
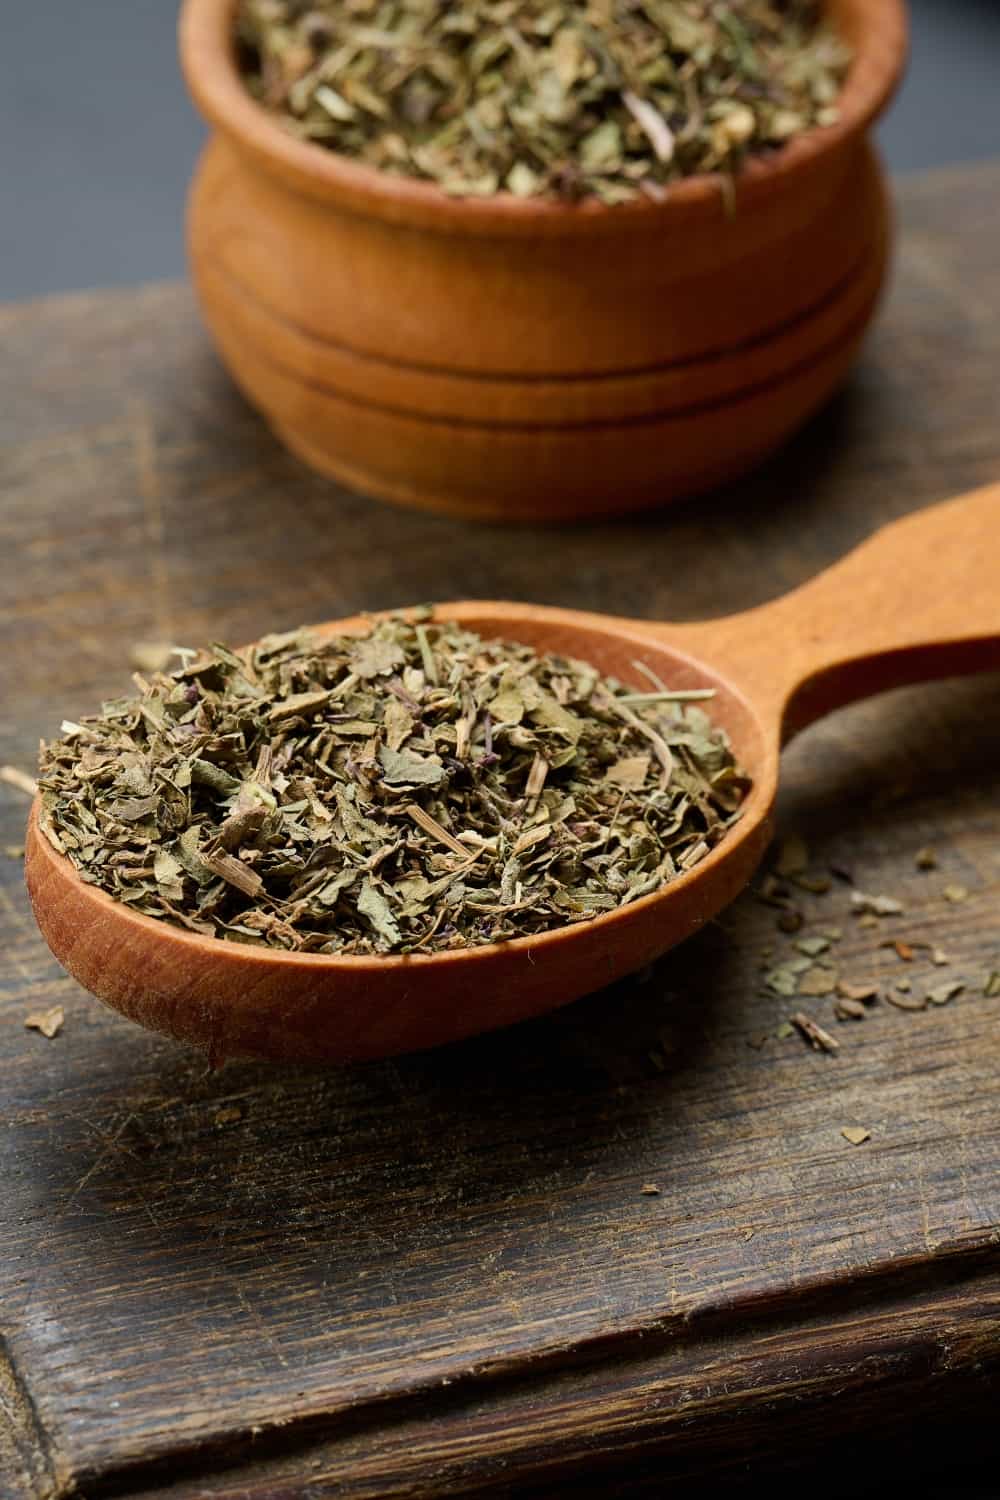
(611, 472)
(528, 511)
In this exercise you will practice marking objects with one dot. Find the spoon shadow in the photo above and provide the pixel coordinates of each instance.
(465, 1126)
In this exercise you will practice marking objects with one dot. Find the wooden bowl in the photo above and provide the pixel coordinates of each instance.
(529, 360)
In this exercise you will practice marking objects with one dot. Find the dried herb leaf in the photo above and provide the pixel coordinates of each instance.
(878, 906)
(856, 1135)
(229, 1114)
(373, 905)
(818, 981)
(903, 1001)
(945, 992)
(48, 1022)
(813, 946)
(784, 978)
(630, 773)
(819, 1039)
(400, 768)
(863, 993)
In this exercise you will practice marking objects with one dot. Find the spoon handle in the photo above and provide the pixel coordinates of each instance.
(919, 599)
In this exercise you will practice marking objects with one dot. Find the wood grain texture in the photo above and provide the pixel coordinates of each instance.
(528, 359)
(439, 1275)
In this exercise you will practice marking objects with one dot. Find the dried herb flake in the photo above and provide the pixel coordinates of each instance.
(48, 1022)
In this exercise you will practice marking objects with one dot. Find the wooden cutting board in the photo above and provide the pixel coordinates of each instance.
(450, 1273)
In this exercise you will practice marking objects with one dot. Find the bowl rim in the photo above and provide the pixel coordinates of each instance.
(208, 60)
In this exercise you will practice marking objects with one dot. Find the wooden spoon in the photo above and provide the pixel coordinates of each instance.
(920, 599)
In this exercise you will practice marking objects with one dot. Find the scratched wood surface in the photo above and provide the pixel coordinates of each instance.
(440, 1275)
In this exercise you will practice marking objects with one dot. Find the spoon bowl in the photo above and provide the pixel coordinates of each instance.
(918, 600)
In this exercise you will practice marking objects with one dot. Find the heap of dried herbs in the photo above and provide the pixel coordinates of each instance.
(414, 789)
(565, 98)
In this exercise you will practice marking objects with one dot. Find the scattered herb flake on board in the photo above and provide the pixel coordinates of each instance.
(813, 946)
(818, 981)
(229, 1114)
(926, 859)
(863, 993)
(856, 1135)
(544, 98)
(48, 1022)
(13, 851)
(649, 1190)
(939, 957)
(904, 1001)
(784, 1031)
(955, 894)
(945, 992)
(814, 1034)
(415, 789)
(878, 906)
(784, 978)
(992, 986)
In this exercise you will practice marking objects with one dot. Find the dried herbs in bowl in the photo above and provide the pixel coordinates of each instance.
(559, 98)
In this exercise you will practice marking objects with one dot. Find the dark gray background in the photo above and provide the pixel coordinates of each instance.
(97, 139)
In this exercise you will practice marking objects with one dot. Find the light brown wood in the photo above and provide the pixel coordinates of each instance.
(918, 600)
(518, 359)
